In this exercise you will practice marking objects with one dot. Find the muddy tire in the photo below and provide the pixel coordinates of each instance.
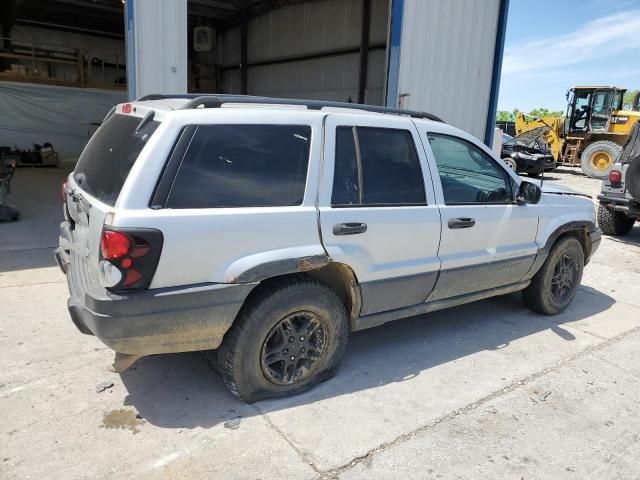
(614, 223)
(598, 158)
(556, 283)
(289, 337)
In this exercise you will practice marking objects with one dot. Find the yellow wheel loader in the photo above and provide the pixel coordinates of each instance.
(593, 131)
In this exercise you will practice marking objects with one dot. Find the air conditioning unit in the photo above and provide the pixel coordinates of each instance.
(204, 39)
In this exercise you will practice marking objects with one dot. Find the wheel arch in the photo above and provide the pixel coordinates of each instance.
(581, 230)
(337, 276)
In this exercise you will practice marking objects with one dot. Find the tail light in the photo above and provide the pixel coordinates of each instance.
(615, 177)
(114, 245)
(63, 192)
(129, 257)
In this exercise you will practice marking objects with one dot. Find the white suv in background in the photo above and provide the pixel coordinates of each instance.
(269, 229)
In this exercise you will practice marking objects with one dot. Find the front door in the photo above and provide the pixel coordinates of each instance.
(601, 107)
(377, 212)
(488, 241)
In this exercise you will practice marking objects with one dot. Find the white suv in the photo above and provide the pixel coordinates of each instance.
(269, 229)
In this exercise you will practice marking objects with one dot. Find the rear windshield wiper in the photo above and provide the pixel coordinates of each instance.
(145, 120)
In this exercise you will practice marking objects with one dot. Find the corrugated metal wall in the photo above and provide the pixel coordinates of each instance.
(446, 59)
(317, 27)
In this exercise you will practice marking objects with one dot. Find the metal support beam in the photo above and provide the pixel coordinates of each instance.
(157, 47)
(244, 73)
(396, 10)
(503, 13)
(298, 58)
(364, 49)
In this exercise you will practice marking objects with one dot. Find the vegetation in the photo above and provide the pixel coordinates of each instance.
(506, 116)
(628, 98)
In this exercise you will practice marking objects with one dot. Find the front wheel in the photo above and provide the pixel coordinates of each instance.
(511, 163)
(288, 338)
(614, 223)
(556, 283)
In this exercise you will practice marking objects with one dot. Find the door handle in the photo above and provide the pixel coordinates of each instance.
(464, 222)
(351, 228)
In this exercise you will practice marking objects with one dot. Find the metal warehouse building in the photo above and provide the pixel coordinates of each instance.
(79, 56)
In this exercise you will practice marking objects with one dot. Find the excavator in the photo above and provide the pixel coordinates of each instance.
(593, 131)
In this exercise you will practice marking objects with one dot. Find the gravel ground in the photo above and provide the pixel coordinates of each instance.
(573, 178)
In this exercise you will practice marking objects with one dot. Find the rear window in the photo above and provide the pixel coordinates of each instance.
(108, 157)
(243, 166)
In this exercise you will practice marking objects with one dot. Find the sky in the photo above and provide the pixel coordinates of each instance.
(552, 45)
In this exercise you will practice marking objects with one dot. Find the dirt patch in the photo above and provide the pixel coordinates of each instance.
(122, 419)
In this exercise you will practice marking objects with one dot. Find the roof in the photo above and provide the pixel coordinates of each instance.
(104, 18)
(602, 87)
(191, 101)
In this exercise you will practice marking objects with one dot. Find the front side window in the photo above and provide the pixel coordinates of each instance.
(376, 167)
(468, 174)
(243, 166)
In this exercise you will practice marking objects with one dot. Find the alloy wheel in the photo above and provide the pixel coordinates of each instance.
(294, 348)
(565, 276)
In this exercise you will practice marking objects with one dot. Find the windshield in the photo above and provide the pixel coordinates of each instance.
(107, 159)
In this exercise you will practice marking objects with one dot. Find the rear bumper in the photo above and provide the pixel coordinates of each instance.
(620, 204)
(166, 320)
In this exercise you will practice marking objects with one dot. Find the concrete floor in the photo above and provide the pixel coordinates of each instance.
(488, 390)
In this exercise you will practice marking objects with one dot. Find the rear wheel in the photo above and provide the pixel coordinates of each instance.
(554, 286)
(614, 223)
(291, 336)
(597, 158)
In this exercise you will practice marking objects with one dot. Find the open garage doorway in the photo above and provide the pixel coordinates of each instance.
(322, 49)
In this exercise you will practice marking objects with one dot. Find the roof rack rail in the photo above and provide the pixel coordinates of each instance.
(216, 101)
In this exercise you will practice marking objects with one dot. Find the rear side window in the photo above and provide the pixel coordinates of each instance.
(243, 166)
(108, 157)
(376, 167)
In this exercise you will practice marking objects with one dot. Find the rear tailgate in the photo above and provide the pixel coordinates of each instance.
(80, 237)
(91, 193)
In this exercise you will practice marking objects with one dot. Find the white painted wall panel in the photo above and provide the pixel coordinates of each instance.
(303, 29)
(160, 46)
(446, 59)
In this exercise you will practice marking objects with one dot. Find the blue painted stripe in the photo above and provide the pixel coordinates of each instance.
(131, 52)
(497, 72)
(393, 62)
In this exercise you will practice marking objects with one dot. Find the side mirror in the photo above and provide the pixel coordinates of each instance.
(528, 193)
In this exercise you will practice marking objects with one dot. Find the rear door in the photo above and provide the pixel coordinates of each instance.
(488, 241)
(377, 212)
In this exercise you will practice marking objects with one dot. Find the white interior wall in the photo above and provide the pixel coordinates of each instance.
(446, 59)
(307, 29)
(62, 116)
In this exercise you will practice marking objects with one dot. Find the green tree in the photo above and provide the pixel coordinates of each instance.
(628, 98)
(504, 116)
(544, 112)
